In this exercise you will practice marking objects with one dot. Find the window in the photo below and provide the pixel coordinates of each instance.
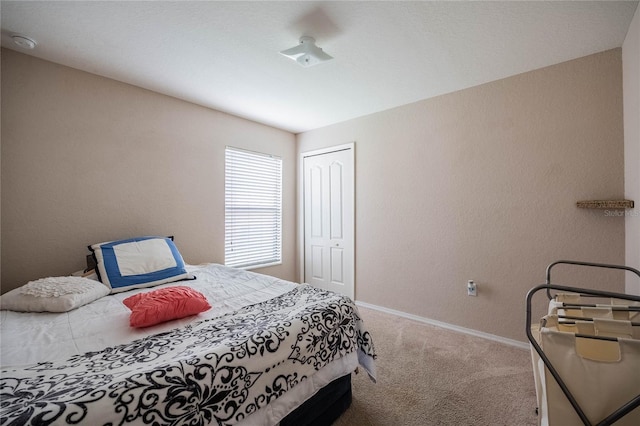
(253, 209)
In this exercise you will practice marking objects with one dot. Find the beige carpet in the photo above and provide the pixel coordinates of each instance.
(432, 376)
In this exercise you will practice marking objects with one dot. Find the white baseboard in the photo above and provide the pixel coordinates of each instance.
(488, 336)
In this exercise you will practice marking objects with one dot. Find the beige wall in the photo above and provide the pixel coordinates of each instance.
(482, 184)
(631, 87)
(87, 159)
(479, 184)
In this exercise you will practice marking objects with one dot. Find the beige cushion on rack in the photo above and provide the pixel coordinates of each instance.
(598, 312)
(568, 298)
(613, 328)
(599, 387)
(555, 306)
(595, 349)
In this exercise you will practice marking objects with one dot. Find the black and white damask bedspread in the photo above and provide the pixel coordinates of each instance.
(216, 371)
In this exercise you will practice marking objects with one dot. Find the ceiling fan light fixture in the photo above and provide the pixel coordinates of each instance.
(307, 53)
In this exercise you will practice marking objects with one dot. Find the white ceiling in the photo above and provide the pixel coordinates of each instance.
(224, 55)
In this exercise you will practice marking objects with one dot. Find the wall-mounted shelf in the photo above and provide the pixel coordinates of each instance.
(605, 204)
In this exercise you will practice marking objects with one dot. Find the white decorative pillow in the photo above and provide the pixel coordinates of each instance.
(53, 294)
(138, 262)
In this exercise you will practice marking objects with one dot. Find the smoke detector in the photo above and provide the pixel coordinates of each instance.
(307, 53)
(23, 41)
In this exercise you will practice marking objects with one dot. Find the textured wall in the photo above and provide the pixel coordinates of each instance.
(631, 87)
(87, 159)
(482, 184)
(479, 184)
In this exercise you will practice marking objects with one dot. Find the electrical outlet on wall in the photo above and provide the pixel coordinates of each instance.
(472, 289)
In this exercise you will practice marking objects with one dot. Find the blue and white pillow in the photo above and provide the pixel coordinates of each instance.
(138, 262)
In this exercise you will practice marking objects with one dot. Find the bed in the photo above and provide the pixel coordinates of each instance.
(267, 352)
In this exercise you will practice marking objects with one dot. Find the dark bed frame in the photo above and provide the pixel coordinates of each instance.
(324, 407)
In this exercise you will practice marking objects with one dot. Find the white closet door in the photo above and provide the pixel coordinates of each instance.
(328, 221)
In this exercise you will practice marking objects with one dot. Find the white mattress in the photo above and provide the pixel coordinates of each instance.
(28, 338)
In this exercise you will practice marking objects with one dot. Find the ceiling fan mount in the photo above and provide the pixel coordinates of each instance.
(306, 53)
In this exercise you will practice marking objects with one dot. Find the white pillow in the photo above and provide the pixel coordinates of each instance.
(53, 294)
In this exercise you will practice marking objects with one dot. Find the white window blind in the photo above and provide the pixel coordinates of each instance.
(253, 209)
